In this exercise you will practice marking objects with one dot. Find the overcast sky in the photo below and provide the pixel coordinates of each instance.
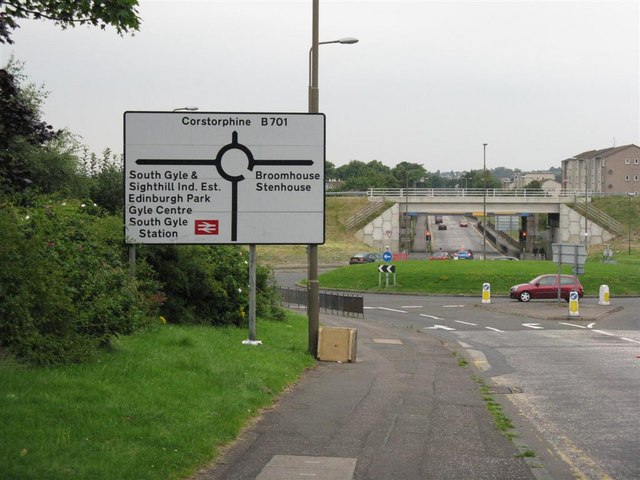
(429, 82)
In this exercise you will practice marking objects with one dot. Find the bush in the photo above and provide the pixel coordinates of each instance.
(65, 286)
(210, 284)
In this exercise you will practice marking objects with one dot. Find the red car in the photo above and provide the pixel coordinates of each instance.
(440, 256)
(546, 286)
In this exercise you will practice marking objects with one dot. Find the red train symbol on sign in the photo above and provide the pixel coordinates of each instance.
(206, 227)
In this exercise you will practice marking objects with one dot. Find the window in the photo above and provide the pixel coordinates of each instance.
(626, 178)
(636, 178)
(636, 161)
(627, 161)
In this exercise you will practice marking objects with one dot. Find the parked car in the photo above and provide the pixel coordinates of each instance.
(364, 257)
(464, 223)
(442, 226)
(514, 259)
(438, 219)
(546, 286)
(463, 254)
(440, 256)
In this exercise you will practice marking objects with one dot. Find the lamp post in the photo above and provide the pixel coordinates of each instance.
(484, 201)
(313, 287)
(629, 214)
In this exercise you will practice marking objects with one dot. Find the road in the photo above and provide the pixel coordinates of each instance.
(572, 386)
(456, 237)
(578, 381)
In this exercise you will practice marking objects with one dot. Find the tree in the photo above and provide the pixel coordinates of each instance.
(21, 130)
(120, 14)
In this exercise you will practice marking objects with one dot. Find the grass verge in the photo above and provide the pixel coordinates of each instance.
(158, 406)
(467, 277)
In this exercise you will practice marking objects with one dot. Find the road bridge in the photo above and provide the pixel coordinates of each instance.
(397, 227)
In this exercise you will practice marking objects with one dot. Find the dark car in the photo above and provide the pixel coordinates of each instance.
(440, 256)
(546, 286)
(442, 226)
(463, 254)
(364, 257)
(438, 219)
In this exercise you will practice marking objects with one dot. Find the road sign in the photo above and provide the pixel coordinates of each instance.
(216, 178)
(387, 268)
(387, 256)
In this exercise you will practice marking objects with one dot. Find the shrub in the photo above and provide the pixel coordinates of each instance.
(210, 284)
(65, 286)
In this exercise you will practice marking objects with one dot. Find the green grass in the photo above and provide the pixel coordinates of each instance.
(466, 277)
(157, 406)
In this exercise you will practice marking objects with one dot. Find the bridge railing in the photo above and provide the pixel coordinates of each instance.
(472, 192)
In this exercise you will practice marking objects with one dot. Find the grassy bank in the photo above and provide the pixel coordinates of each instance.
(467, 277)
(157, 406)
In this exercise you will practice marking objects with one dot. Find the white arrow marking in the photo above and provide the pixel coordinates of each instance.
(494, 329)
(430, 316)
(533, 325)
(466, 323)
(572, 325)
(392, 310)
(591, 325)
(439, 327)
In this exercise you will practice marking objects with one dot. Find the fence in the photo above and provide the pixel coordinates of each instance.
(346, 304)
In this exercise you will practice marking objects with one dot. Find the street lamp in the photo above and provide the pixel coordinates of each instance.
(313, 287)
(484, 201)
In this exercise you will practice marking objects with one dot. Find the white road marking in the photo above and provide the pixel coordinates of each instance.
(629, 339)
(591, 325)
(452, 306)
(393, 310)
(466, 323)
(494, 329)
(430, 316)
(535, 326)
(411, 306)
(572, 325)
(439, 327)
(605, 333)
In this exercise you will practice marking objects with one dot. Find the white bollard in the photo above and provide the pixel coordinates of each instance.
(603, 297)
(486, 293)
(573, 304)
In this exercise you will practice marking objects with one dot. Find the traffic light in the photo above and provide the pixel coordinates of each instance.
(523, 235)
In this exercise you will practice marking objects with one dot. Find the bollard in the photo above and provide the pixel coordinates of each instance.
(603, 297)
(486, 293)
(573, 304)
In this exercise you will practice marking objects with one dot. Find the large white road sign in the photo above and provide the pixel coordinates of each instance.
(210, 177)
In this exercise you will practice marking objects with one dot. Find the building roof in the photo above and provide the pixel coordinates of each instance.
(605, 152)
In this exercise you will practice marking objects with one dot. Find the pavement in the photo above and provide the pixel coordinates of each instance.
(405, 409)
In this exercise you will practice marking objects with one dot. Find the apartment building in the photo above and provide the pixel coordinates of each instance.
(610, 170)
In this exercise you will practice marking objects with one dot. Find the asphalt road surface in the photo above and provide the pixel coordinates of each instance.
(576, 382)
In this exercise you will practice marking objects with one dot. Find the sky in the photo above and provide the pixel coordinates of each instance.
(429, 82)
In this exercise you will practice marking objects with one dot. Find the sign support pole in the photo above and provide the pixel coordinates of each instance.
(252, 292)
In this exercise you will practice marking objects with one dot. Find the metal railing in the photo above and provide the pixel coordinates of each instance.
(345, 304)
(599, 217)
(473, 192)
(368, 211)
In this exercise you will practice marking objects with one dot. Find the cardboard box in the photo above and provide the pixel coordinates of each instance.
(336, 344)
